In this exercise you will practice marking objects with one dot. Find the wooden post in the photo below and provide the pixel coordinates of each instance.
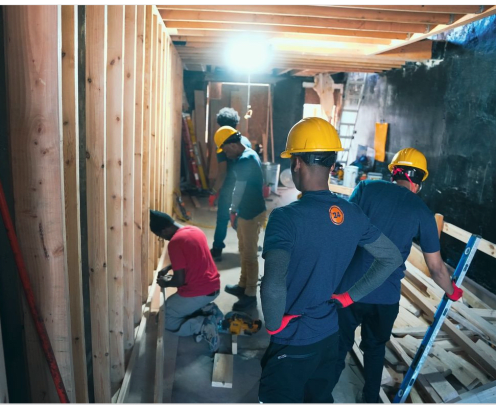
(33, 77)
(439, 222)
(152, 240)
(145, 247)
(177, 80)
(96, 86)
(115, 55)
(128, 172)
(71, 186)
(138, 160)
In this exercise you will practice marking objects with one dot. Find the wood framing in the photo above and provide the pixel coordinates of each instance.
(114, 114)
(96, 74)
(35, 132)
(128, 169)
(70, 126)
(138, 160)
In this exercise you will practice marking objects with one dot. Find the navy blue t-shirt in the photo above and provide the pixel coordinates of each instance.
(321, 232)
(249, 169)
(221, 157)
(401, 215)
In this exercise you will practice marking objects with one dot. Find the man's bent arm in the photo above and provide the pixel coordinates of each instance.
(438, 270)
(387, 260)
(273, 289)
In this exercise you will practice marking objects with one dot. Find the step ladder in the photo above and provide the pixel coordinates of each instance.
(353, 95)
(439, 317)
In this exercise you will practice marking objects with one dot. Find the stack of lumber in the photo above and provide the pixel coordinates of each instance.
(462, 359)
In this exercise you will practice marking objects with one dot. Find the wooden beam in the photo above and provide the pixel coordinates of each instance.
(278, 20)
(96, 85)
(323, 12)
(145, 265)
(115, 78)
(138, 159)
(177, 81)
(71, 187)
(128, 168)
(421, 50)
(33, 75)
(283, 29)
(441, 28)
(222, 375)
(456, 232)
(159, 354)
(424, 9)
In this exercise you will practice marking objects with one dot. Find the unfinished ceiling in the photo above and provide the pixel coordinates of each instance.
(307, 40)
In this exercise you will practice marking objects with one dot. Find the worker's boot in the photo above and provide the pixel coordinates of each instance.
(216, 254)
(245, 302)
(210, 333)
(235, 290)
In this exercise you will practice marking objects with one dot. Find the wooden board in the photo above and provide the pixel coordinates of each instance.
(33, 75)
(128, 168)
(96, 58)
(335, 188)
(485, 394)
(114, 113)
(159, 356)
(484, 246)
(222, 375)
(70, 129)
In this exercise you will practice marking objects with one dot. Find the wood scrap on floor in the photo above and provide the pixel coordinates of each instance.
(222, 375)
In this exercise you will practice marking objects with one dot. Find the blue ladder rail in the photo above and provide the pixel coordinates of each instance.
(439, 317)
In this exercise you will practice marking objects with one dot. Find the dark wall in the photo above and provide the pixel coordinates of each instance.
(447, 109)
(288, 100)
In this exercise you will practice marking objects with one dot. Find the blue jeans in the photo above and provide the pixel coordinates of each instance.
(223, 205)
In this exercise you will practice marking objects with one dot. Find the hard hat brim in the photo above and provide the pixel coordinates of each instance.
(288, 153)
(219, 150)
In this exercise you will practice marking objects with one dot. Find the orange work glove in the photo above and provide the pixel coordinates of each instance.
(457, 293)
(285, 321)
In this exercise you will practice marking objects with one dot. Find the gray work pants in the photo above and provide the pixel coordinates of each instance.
(183, 314)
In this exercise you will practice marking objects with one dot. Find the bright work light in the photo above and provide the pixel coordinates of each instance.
(248, 54)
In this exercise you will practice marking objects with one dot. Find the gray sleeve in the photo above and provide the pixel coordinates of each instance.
(387, 259)
(239, 190)
(273, 288)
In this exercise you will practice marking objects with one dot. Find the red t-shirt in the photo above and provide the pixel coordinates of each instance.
(188, 250)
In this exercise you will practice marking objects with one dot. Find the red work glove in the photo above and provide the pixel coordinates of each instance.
(457, 293)
(212, 199)
(342, 300)
(285, 321)
(234, 220)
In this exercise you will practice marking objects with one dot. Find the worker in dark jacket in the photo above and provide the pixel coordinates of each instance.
(224, 184)
(247, 212)
(190, 311)
(308, 246)
(396, 209)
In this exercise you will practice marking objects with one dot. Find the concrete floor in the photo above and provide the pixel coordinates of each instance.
(194, 362)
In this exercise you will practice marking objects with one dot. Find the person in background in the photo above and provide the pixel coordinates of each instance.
(224, 184)
(247, 212)
(396, 209)
(190, 311)
(307, 248)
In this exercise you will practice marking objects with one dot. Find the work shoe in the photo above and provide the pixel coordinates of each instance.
(235, 290)
(245, 302)
(210, 333)
(213, 310)
(216, 254)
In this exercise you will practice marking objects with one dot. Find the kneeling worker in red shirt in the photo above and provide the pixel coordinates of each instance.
(191, 310)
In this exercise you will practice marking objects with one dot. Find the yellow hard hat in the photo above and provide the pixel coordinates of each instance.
(410, 157)
(222, 134)
(312, 135)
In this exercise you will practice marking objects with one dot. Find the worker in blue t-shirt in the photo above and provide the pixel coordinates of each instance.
(401, 215)
(247, 212)
(224, 185)
(307, 248)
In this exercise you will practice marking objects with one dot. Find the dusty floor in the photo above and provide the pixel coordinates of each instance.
(193, 366)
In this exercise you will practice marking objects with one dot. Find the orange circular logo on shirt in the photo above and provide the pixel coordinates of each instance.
(336, 215)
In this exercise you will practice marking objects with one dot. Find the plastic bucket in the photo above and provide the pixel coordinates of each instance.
(350, 175)
(271, 175)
